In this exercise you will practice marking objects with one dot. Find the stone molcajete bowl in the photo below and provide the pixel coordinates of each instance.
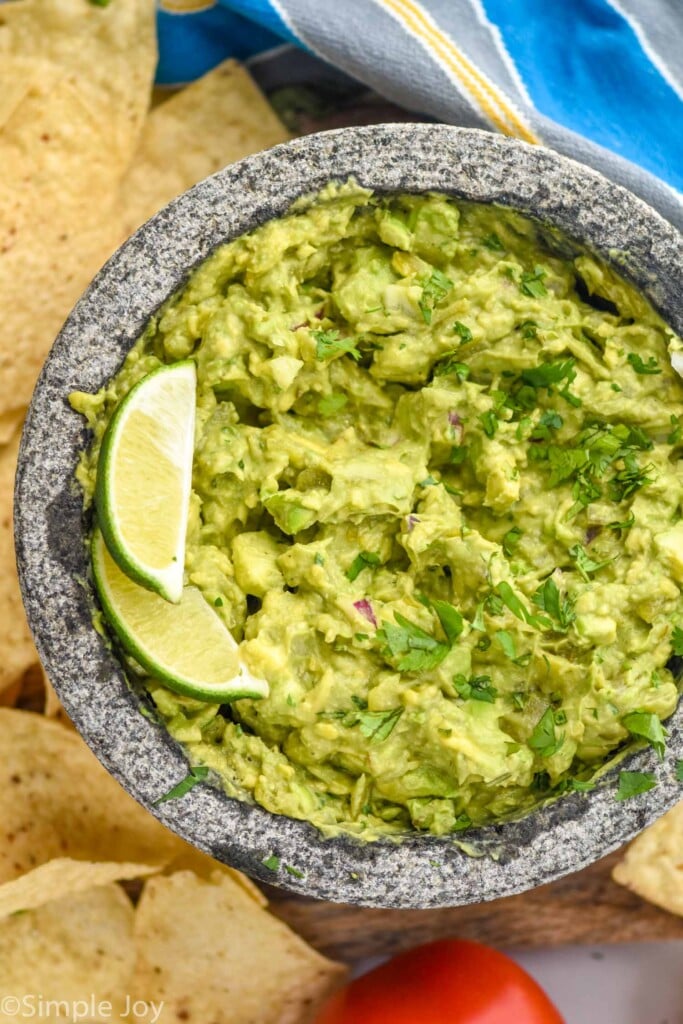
(420, 871)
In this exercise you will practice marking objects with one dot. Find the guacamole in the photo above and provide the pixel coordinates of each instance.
(437, 498)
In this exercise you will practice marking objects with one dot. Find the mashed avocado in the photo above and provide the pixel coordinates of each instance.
(437, 496)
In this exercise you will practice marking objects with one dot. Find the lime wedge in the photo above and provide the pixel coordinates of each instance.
(184, 645)
(144, 477)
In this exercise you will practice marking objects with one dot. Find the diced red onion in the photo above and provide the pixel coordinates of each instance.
(365, 609)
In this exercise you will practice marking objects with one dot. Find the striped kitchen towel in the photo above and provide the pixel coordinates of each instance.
(598, 80)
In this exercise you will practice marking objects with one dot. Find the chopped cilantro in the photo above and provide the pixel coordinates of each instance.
(362, 560)
(331, 404)
(679, 771)
(625, 524)
(452, 366)
(458, 454)
(511, 540)
(550, 420)
(546, 374)
(647, 726)
(677, 641)
(584, 563)
(531, 283)
(462, 822)
(434, 289)
(272, 862)
(329, 344)
(580, 785)
(650, 367)
(319, 558)
(475, 688)
(489, 422)
(544, 737)
(560, 607)
(634, 783)
(676, 432)
(529, 329)
(507, 643)
(520, 699)
(450, 618)
(464, 333)
(512, 601)
(417, 649)
(218, 603)
(196, 774)
(294, 871)
(378, 725)
(493, 243)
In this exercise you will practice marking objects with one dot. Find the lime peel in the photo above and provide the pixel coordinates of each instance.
(185, 646)
(144, 478)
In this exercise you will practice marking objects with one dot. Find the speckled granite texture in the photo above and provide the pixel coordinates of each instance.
(421, 871)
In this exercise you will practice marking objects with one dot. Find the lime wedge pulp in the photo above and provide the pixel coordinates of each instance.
(183, 645)
(144, 478)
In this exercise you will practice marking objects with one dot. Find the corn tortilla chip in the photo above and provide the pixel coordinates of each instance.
(64, 877)
(72, 950)
(207, 952)
(66, 143)
(67, 135)
(653, 864)
(56, 800)
(217, 120)
(16, 645)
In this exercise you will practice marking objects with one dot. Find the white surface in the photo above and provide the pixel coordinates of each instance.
(640, 983)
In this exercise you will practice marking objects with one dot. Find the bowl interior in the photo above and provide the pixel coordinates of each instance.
(421, 871)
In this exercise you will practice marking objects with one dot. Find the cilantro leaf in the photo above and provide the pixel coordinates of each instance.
(679, 771)
(633, 783)
(452, 366)
(362, 560)
(550, 420)
(418, 650)
(677, 641)
(531, 283)
(544, 737)
(493, 243)
(464, 333)
(507, 643)
(450, 618)
(647, 726)
(272, 863)
(378, 725)
(625, 524)
(489, 422)
(636, 361)
(677, 432)
(462, 822)
(294, 871)
(434, 289)
(329, 344)
(584, 563)
(196, 774)
(475, 688)
(546, 374)
(512, 601)
(331, 404)
(558, 606)
(511, 540)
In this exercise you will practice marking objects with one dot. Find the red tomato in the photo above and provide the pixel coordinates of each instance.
(446, 982)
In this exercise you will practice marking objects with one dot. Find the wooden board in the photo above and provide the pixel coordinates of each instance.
(587, 907)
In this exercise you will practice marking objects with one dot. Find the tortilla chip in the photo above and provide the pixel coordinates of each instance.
(70, 131)
(217, 120)
(67, 134)
(57, 801)
(72, 950)
(63, 877)
(207, 952)
(653, 864)
(16, 646)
